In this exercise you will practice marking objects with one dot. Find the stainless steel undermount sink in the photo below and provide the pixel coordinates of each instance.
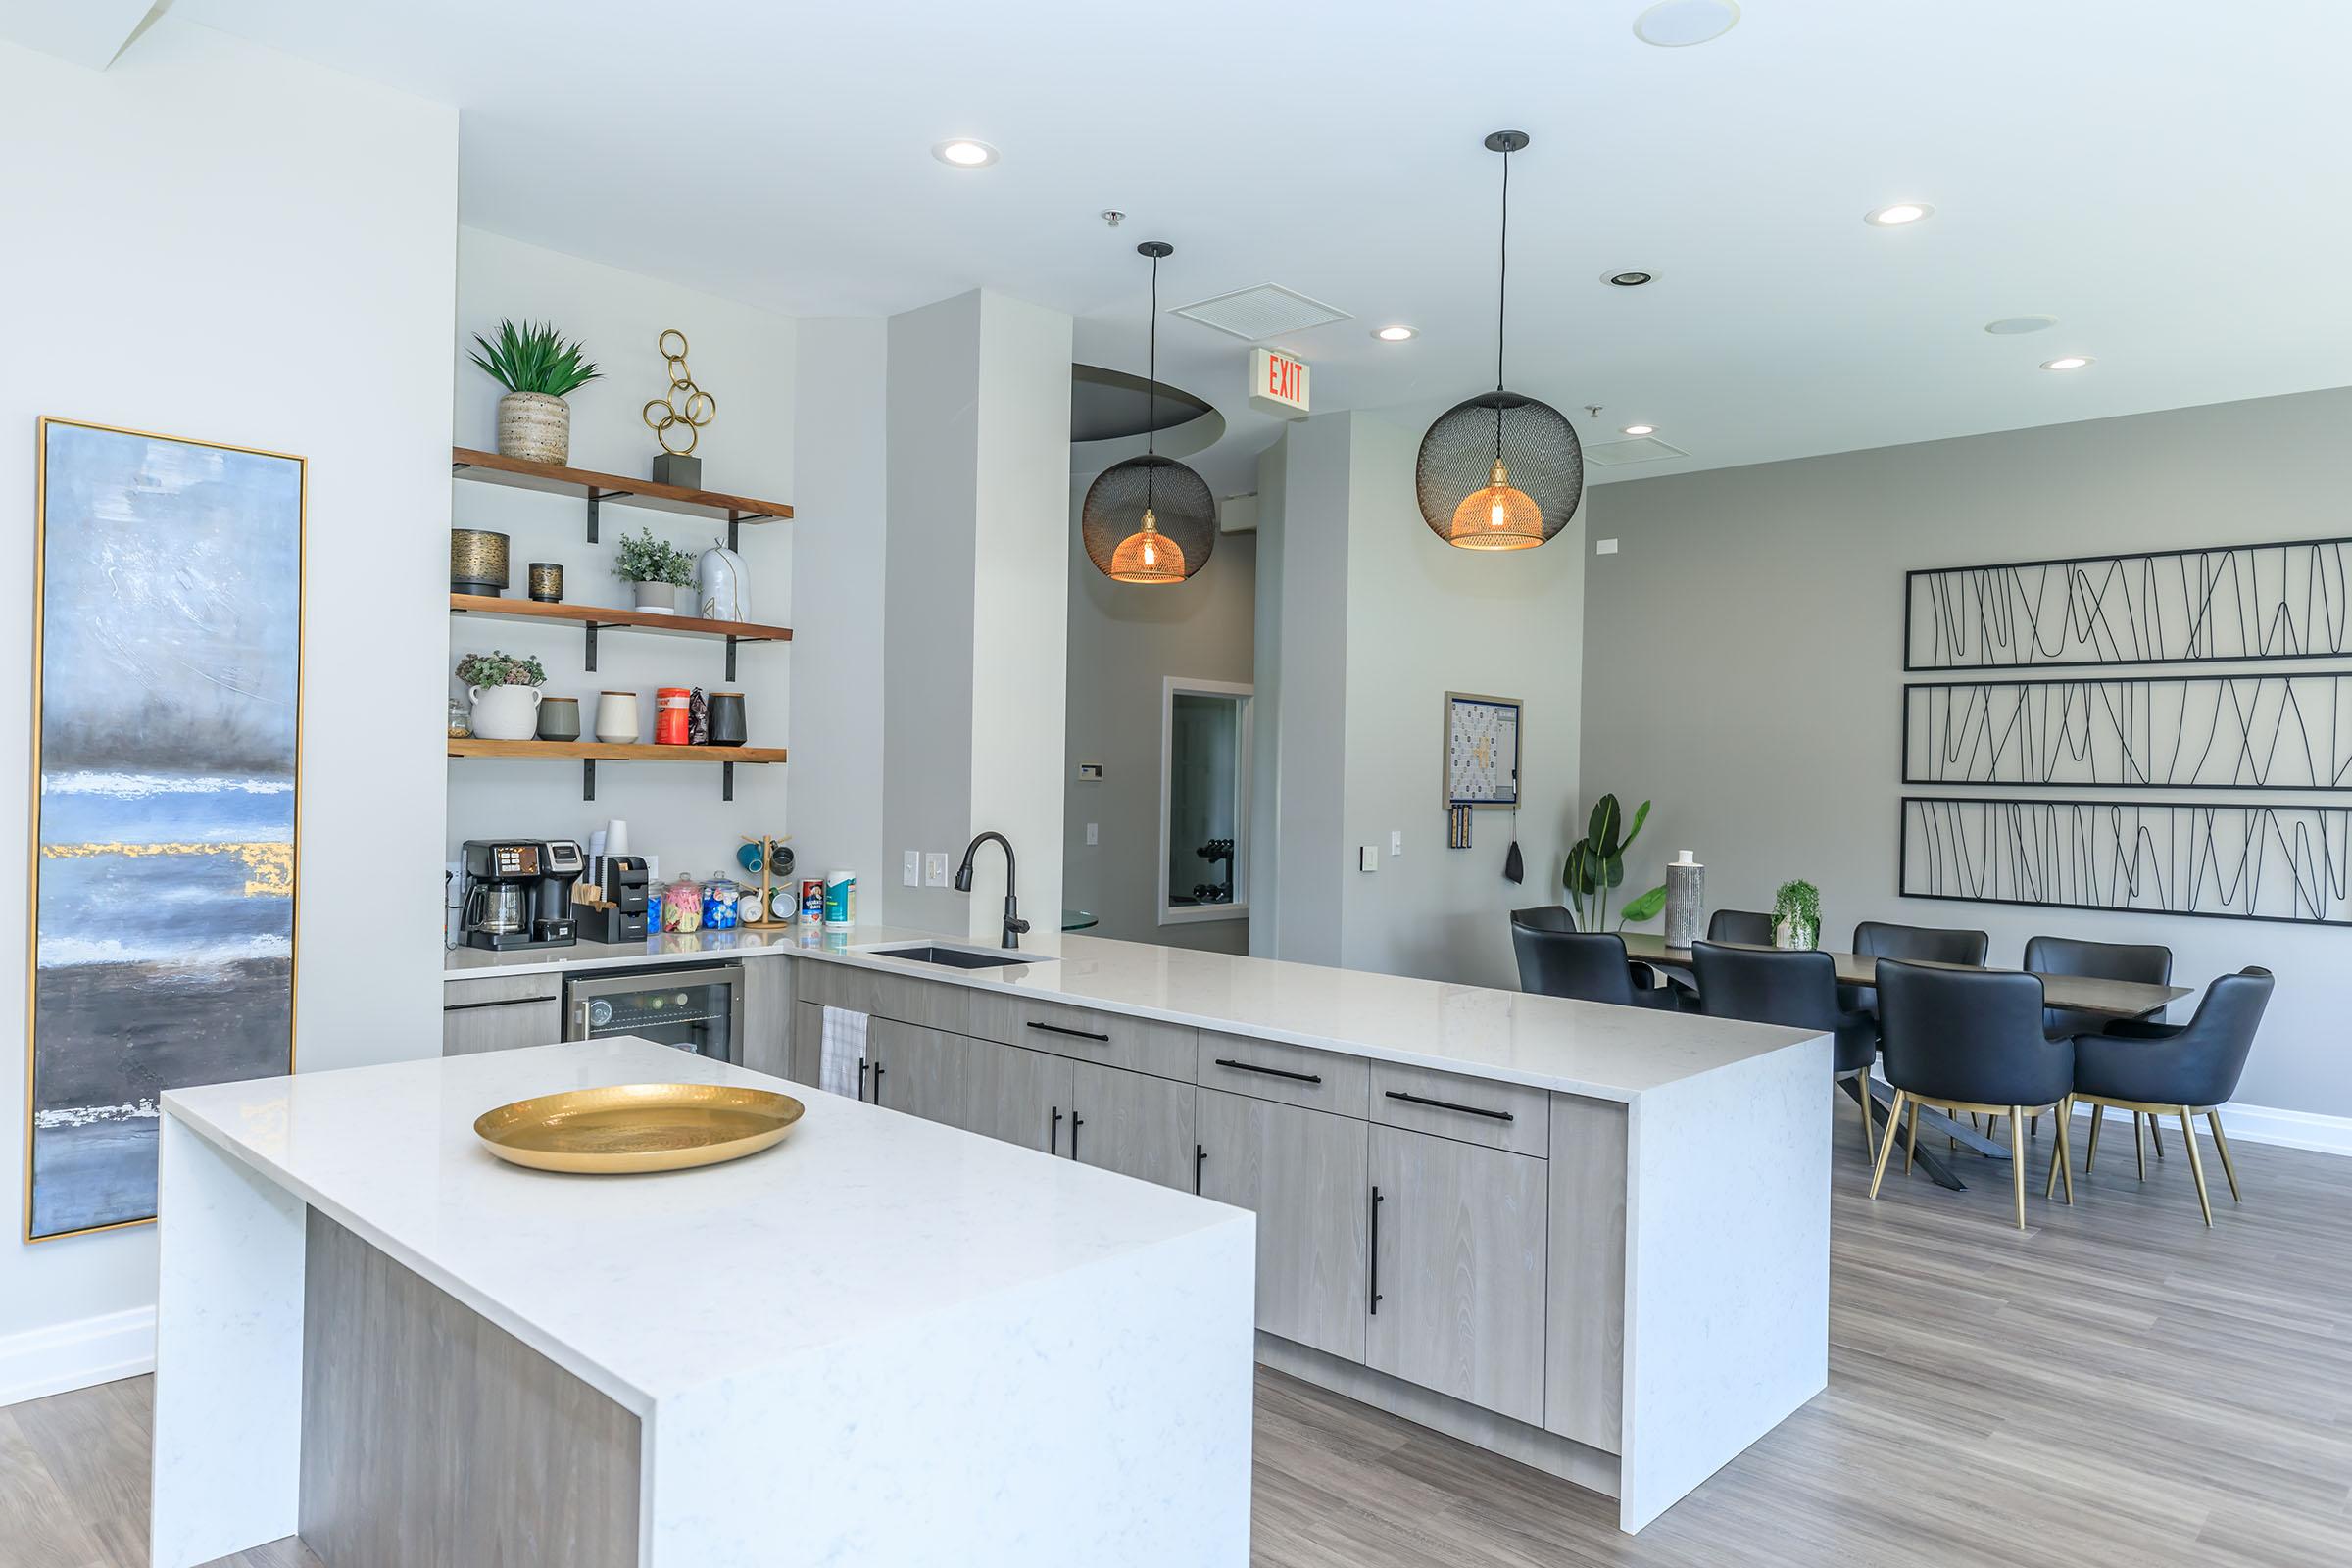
(956, 958)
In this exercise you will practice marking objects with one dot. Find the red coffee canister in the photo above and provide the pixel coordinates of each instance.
(670, 715)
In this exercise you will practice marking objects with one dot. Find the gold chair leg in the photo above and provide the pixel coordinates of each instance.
(2017, 1159)
(2091, 1155)
(2064, 1149)
(2196, 1166)
(2140, 1144)
(2156, 1133)
(1911, 1151)
(1870, 1137)
(1894, 1118)
(2213, 1120)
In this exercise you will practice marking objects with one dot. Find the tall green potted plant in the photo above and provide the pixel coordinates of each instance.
(1597, 868)
(539, 369)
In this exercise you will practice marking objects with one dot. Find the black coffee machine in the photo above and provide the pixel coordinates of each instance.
(519, 893)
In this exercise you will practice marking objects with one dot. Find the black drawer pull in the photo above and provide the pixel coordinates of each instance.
(1373, 1288)
(1076, 1121)
(860, 1077)
(1199, 1159)
(1075, 1034)
(1270, 1072)
(1054, 1132)
(1447, 1104)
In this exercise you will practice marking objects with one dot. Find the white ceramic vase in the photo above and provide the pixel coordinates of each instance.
(505, 713)
(534, 427)
(718, 585)
(1797, 935)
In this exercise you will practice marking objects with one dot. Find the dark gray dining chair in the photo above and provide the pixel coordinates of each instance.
(2143, 963)
(1555, 960)
(1972, 1040)
(1882, 939)
(1741, 926)
(1798, 990)
(2188, 1070)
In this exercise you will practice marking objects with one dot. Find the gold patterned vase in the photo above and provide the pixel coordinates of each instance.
(535, 428)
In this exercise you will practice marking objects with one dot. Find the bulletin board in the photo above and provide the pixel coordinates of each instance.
(1483, 736)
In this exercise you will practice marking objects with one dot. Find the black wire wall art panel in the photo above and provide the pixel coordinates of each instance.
(2191, 732)
(2234, 862)
(2227, 602)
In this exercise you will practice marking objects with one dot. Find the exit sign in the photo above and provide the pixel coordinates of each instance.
(1277, 383)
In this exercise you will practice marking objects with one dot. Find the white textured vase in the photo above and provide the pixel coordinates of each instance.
(535, 428)
(505, 713)
(1795, 935)
(720, 587)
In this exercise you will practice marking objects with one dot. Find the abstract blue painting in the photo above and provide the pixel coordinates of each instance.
(165, 730)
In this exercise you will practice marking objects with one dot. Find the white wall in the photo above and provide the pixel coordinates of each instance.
(1743, 664)
(1381, 619)
(743, 357)
(214, 241)
(1124, 642)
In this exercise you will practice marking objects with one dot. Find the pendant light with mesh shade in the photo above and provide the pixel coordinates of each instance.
(1149, 520)
(1499, 471)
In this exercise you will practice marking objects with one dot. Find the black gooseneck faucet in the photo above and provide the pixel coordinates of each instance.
(1015, 925)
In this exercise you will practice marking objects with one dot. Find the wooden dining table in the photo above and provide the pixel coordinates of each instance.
(2107, 999)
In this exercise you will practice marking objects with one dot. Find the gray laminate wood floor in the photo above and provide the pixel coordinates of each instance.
(2116, 1386)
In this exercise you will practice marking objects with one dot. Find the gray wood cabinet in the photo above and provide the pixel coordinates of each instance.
(1020, 1096)
(1584, 1369)
(1460, 1240)
(501, 1026)
(919, 1071)
(767, 1018)
(1305, 1174)
(1133, 1123)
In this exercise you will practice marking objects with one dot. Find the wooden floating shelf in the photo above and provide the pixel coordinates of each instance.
(590, 753)
(607, 617)
(554, 478)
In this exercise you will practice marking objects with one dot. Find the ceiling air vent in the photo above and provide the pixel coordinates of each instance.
(1255, 315)
(1645, 449)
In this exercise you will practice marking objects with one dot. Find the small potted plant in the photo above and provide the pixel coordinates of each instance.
(505, 688)
(539, 369)
(1796, 916)
(657, 567)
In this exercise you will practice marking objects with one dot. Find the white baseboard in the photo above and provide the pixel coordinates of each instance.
(2265, 1124)
(75, 1356)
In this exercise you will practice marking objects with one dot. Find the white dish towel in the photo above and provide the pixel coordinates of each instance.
(844, 1048)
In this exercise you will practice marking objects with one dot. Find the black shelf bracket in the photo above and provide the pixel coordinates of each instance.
(587, 778)
(730, 660)
(596, 501)
(726, 781)
(591, 647)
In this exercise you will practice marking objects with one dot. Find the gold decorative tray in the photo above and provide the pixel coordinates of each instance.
(637, 1127)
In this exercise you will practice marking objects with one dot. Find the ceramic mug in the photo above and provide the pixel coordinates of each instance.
(505, 712)
(559, 719)
(616, 724)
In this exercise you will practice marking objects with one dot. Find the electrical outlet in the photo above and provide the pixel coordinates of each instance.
(1367, 858)
(1094, 834)
(1397, 841)
(936, 869)
(913, 875)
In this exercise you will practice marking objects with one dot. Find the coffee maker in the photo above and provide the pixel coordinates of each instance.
(519, 893)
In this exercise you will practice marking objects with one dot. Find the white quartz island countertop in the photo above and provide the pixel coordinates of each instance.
(833, 1311)
(1579, 1048)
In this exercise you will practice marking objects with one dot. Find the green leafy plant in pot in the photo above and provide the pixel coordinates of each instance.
(657, 567)
(539, 369)
(505, 688)
(1797, 916)
(1597, 868)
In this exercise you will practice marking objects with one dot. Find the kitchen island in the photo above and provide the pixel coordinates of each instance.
(883, 1340)
(1594, 1238)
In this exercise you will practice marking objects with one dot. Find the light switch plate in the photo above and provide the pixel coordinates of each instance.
(1367, 858)
(913, 875)
(1090, 772)
(936, 869)
(1604, 547)
(1397, 841)
(1094, 834)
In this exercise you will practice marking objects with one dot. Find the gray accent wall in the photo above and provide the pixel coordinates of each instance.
(1743, 664)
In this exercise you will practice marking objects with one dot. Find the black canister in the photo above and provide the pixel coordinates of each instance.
(726, 719)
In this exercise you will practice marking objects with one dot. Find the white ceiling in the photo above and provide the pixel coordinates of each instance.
(2164, 177)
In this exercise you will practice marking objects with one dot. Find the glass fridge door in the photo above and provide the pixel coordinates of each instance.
(694, 1010)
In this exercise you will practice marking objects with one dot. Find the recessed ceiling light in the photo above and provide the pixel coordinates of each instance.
(1679, 24)
(1640, 429)
(1628, 279)
(1394, 334)
(1898, 214)
(2067, 362)
(2019, 326)
(965, 153)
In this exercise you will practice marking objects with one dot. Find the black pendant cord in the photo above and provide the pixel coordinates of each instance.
(1151, 390)
(1502, 287)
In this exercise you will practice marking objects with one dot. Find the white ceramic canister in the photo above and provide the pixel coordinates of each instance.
(616, 724)
(505, 713)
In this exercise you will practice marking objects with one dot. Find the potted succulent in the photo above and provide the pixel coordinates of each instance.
(505, 688)
(1796, 916)
(539, 369)
(657, 567)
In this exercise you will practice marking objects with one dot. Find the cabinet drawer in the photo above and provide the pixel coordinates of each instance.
(1107, 1039)
(482, 991)
(1295, 1075)
(866, 991)
(1469, 1110)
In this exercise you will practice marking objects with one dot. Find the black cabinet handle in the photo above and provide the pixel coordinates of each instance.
(1199, 1159)
(1377, 1200)
(1270, 1072)
(860, 1077)
(877, 1083)
(1447, 1104)
(1076, 1121)
(1054, 1132)
(1075, 1034)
